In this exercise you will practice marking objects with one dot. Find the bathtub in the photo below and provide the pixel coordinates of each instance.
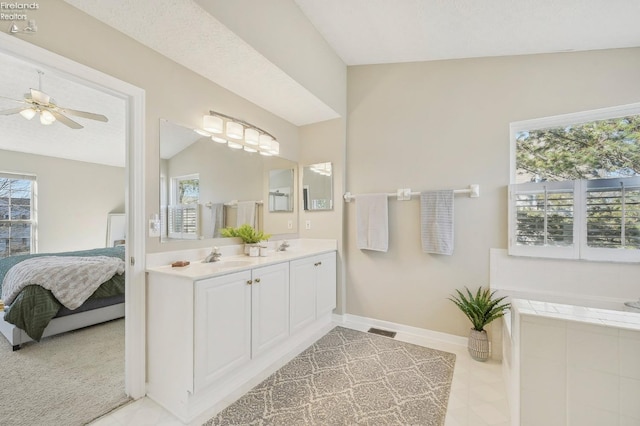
(571, 362)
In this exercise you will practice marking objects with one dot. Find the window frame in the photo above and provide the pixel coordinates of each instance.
(33, 221)
(579, 249)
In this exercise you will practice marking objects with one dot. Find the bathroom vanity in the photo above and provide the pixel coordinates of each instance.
(213, 327)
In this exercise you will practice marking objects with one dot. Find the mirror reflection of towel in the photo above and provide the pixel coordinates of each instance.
(246, 213)
(217, 219)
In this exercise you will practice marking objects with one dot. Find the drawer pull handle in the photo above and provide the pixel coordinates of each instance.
(257, 280)
(317, 264)
(249, 282)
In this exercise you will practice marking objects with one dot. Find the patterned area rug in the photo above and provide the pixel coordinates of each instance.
(349, 377)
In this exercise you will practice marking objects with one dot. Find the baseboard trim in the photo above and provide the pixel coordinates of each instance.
(400, 328)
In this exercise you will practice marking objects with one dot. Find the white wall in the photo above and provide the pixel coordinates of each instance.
(73, 201)
(172, 91)
(445, 125)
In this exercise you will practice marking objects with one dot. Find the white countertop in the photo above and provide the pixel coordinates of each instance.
(598, 316)
(160, 263)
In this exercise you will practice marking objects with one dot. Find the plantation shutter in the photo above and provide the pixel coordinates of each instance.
(543, 218)
(613, 213)
(183, 221)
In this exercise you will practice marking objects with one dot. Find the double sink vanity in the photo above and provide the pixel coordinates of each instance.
(214, 327)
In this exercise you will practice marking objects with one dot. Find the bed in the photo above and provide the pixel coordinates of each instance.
(35, 312)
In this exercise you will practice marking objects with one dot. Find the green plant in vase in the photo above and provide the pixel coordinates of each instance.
(481, 308)
(246, 233)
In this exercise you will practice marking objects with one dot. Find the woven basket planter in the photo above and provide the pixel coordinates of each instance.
(479, 345)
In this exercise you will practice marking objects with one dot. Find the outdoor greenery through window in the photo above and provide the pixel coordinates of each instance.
(17, 219)
(576, 190)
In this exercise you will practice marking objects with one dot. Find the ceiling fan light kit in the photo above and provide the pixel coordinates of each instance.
(38, 102)
(243, 135)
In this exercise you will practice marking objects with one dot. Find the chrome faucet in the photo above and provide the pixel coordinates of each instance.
(214, 256)
(283, 246)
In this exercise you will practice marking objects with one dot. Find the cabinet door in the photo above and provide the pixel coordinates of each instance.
(270, 307)
(222, 326)
(325, 266)
(303, 293)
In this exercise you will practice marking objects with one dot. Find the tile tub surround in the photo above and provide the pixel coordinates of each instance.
(573, 365)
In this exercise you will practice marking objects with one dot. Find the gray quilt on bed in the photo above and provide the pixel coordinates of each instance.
(35, 306)
(71, 279)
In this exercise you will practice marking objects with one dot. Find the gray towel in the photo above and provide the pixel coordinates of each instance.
(217, 219)
(436, 219)
(372, 222)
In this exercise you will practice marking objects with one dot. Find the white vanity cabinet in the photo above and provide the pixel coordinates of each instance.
(237, 317)
(313, 289)
(222, 319)
(210, 332)
(269, 307)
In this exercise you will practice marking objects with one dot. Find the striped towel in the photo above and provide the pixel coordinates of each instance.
(436, 219)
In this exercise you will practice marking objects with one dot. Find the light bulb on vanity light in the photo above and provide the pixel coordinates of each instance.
(202, 133)
(275, 147)
(212, 124)
(235, 130)
(234, 145)
(251, 136)
(218, 139)
(265, 142)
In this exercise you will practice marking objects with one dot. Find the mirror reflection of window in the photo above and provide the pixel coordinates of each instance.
(184, 210)
(317, 187)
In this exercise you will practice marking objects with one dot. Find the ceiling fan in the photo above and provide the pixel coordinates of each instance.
(39, 103)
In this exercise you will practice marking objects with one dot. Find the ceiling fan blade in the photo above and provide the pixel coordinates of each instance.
(84, 114)
(65, 120)
(40, 97)
(11, 111)
(14, 100)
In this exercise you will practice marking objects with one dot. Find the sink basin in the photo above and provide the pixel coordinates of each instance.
(224, 264)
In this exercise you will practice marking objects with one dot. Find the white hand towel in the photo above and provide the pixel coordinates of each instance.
(246, 213)
(436, 219)
(372, 222)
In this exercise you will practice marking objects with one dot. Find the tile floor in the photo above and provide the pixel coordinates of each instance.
(478, 396)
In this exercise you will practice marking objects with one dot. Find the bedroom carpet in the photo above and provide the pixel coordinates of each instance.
(68, 379)
(349, 377)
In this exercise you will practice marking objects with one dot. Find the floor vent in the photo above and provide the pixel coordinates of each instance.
(385, 333)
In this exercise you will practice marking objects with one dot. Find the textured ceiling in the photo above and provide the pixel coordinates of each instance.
(97, 142)
(388, 31)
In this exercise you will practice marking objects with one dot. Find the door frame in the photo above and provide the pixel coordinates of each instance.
(134, 97)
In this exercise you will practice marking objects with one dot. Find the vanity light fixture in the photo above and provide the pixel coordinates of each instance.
(238, 134)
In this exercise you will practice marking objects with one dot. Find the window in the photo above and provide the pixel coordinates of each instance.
(184, 213)
(17, 214)
(575, 189)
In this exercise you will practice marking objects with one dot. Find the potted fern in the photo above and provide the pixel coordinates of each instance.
(249, 236)
(481, 308)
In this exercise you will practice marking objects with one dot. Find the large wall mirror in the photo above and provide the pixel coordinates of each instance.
(206, 186)
(317, 187)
